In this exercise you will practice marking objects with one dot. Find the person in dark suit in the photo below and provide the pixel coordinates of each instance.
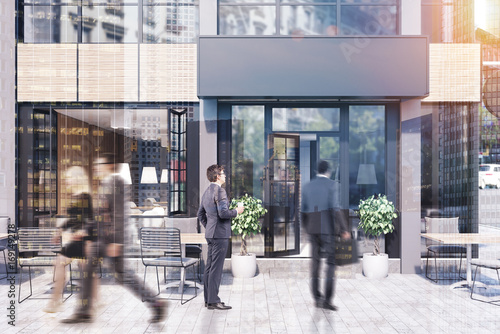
(215, 216)
(323, 220)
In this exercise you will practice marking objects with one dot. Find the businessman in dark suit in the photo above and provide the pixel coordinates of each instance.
(215, 216)
(323, 220)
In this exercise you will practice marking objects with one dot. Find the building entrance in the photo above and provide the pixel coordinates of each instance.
(281, 195)
(274, 150)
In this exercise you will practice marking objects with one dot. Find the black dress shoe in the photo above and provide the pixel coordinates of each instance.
(206, 304)
(159, 310)
(328, 306)
(77, 318)
(219, 306)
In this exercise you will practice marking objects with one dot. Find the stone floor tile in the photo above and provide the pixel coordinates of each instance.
(397, 304)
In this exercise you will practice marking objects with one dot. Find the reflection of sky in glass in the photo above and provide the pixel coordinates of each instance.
(306, 119)
(368, 20)
(249, 141)
(371, 2)
(308, 17)
(309, 20)
(247, 1)
(366, 146)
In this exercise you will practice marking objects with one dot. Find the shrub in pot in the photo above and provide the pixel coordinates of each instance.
(376, 214)
(247, 223)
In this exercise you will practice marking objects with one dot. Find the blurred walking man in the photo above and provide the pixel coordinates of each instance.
(323, 220)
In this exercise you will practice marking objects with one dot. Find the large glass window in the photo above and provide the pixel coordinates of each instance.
(170, 21)
(109, 21)
(58, 145)
(247, 150)
(368, 20)
(247, 20)
(247, 161)
(306, 119)
(109, 24)
(50, 24)
(275, 150)
(366, 152)
(306, 17)
(308, 20)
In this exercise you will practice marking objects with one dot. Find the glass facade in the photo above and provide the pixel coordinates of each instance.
(306, 119)
(248, 162)
(275, 150)
(366, 152)
(274, 147)
(55, 139)
(304, 18)
(109, 21)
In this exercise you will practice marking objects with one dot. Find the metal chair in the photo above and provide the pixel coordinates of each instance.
(46, 243)
(488, 264)
(3, 248)
(442, 225)
(4, 223)
(190, 225)
(161, 247)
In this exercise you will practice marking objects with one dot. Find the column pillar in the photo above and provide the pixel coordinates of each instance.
(208, 107)
(410, 172)
(8, 111)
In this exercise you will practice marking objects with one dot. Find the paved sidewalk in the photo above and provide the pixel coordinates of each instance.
(263, 304)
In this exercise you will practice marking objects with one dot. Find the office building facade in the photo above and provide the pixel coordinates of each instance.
(265, 88)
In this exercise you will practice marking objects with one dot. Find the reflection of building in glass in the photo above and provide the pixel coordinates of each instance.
(248, 20)
(487, 32)
(170, 24)
(451, 120)
(111, 22)
(308, 19)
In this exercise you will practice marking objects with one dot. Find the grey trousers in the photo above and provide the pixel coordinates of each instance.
(325, 242)
(217, 249)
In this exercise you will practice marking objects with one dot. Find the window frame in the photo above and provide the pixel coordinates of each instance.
(178, 144)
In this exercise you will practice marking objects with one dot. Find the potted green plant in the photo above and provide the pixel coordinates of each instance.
(247, 223)
(376, 214)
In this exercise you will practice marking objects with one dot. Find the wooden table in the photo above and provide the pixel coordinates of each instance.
(192, 238)
(189, 238)
(144, 208)
(464, 239)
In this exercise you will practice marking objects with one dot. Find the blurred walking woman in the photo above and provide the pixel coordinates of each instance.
(74, 229)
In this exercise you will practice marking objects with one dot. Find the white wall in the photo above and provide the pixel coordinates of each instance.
(411, 20)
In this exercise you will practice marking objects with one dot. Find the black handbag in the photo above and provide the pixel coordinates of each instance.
(346, 251)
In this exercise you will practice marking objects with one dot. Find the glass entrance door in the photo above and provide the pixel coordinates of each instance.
(281, 196)
(328, 149)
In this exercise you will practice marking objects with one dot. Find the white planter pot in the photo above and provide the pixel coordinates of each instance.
(243, 266)
(375, 266)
